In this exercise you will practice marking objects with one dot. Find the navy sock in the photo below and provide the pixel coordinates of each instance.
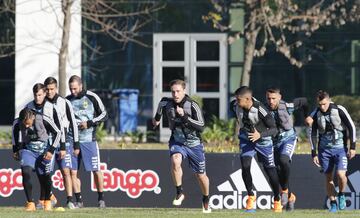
(100, 196)
(78, 197)
(69, 199)
(179, 190)
(205, 199)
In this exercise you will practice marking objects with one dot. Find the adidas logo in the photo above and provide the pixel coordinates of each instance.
(352, 192)
(236, 198)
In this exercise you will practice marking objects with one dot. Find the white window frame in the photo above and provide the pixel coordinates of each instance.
(190, 65)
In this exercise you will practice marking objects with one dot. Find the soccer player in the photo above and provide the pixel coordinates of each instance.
(257, 127)
(186, 123)
(285, 140)
(68, 125)
(31, 148)
(42, 106)
(329, 122)
(89, 112)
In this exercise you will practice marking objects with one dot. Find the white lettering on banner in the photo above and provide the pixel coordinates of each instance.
(10, 180)
(133, 182)
(236, 200)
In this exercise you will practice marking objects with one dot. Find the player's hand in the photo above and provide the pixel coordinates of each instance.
(16, 156)
(316, 161)
(83, 125)
(62, 154)
(351, 153)
(155, 123)
(253, 136)
(309, 121)
(76, 152)
(180, 111)
(48, 155)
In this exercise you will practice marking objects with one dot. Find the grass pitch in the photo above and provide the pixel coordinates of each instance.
(14, 212)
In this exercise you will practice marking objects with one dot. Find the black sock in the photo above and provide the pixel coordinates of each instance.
(69, 199)
(205, 199)
(100, 196)
(179, 190)
(78, 197)
(333, 202)
(340, 193)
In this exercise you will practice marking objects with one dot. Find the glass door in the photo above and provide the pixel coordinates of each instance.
(209, 73)
(171, 61)
(200, 60)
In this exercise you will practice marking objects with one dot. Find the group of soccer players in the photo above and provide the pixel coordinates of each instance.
(266, 130)
(52, 129)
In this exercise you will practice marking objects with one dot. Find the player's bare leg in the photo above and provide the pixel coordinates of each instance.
(76, 185)
(204, 186)
(68, 187)
(342, 181)
(177, 173)
(99, 182)
(330, 190)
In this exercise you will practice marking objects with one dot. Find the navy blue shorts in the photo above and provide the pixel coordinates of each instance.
(89, 156)
(70, 160)
(263, 148)
(331, 157)
(195, 155)
(285, 147)
(36, 161)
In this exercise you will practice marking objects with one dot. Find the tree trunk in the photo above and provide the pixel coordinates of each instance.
(64, 50)
(249, 52)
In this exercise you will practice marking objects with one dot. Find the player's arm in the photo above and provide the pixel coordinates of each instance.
(313, 142)
(349, 123)
(232, 108)
(196, 121)
(100, 111)
(308, 123)
(269, 122)
(73, 124)
(52, 128)
(16, 140)
(313, 137)
(309, 119)
(163, 102)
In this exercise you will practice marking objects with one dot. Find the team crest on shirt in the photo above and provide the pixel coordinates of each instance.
(85, 104)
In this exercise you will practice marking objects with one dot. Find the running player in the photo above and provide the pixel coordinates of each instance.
(257, 127)
(186, 123)
(285, 140)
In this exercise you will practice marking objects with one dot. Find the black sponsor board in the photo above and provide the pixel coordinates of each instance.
(141, 178)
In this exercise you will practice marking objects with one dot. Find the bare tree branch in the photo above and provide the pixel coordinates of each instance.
(278, 20)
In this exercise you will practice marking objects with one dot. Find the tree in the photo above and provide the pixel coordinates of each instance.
(276, 22)
(120, 20)
(7, 31)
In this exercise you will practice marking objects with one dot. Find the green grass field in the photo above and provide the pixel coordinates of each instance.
(170, 212)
